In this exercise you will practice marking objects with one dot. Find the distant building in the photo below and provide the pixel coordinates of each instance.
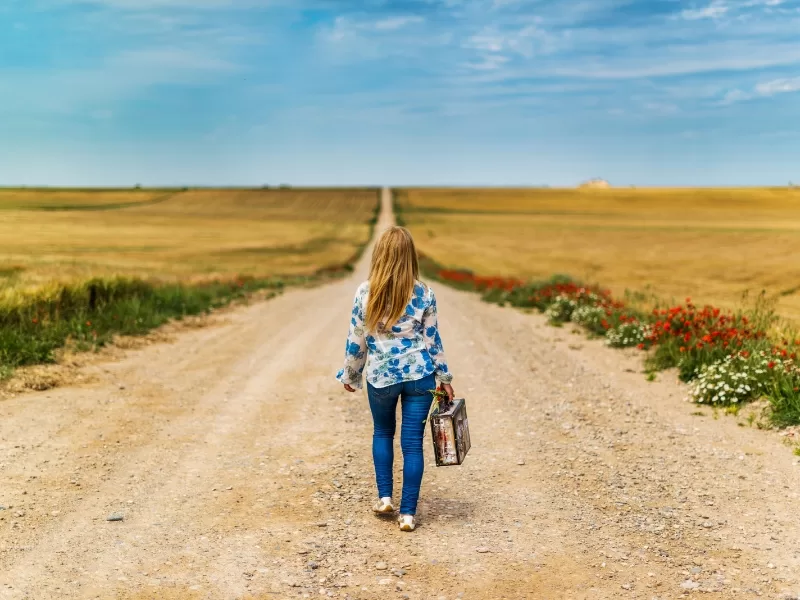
(596, 183)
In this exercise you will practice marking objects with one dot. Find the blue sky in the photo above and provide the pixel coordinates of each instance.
(503, 92)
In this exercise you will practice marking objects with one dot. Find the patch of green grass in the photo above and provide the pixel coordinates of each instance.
(784, 398)
(9, 272)
(90, 313)
(732, 409)
(5, 372)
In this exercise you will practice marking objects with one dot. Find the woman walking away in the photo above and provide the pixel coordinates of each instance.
(394, 331)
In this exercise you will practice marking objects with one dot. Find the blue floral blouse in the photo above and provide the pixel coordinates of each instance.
(410, 350)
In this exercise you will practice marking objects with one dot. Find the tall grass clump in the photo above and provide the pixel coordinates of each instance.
(34, 325)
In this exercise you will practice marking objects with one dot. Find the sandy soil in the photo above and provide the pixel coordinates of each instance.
(241, 470)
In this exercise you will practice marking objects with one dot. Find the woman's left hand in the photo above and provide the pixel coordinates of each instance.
(349, 388)
(449, 390)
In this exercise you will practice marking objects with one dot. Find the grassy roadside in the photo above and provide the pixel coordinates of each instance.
(728, 357)
(86, 315)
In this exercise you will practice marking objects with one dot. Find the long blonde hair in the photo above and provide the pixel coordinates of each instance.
(392, 275)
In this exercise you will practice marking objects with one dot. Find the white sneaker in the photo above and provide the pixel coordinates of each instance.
(407, 522)
(383, 506)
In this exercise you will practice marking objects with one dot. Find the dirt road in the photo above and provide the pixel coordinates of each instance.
(241, 470)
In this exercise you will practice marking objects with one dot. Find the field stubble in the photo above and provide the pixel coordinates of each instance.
(710, 244)
(178, 236)
(78, 267)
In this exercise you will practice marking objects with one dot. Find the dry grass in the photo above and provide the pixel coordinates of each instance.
(710, 244)
(67, 235)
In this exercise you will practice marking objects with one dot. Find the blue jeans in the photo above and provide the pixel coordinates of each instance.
(416, 402)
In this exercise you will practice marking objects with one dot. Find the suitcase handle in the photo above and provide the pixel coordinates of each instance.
(443, 398)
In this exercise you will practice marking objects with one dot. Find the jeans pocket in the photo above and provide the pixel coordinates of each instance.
(425, 385)
(382, 394)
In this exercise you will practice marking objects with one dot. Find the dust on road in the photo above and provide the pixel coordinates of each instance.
(243, 471)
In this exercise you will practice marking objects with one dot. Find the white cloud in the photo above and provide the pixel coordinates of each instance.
(532, 39)
(715, 10)
(487, 40)
(341, 29)
(720, 8)
(350, 40)
(348, 28)
(490, 62)
(734, 96)
(172, 59)
(661, 108)
(527, 41)
(396, 22)
(765, 89)
(144, 5)
(769, 3)
(683, 60)
(778, 86)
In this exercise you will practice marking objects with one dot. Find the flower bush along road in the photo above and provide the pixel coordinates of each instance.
(727, 357)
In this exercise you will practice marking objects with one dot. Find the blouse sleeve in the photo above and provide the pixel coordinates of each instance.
(355, 355)
(433, 341)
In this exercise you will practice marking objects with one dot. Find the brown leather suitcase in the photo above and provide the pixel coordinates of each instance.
(450, 432)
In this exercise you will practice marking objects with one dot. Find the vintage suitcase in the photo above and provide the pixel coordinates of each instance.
(450, 432)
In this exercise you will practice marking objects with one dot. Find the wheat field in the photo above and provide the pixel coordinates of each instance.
(713, 245)
(49, 236)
